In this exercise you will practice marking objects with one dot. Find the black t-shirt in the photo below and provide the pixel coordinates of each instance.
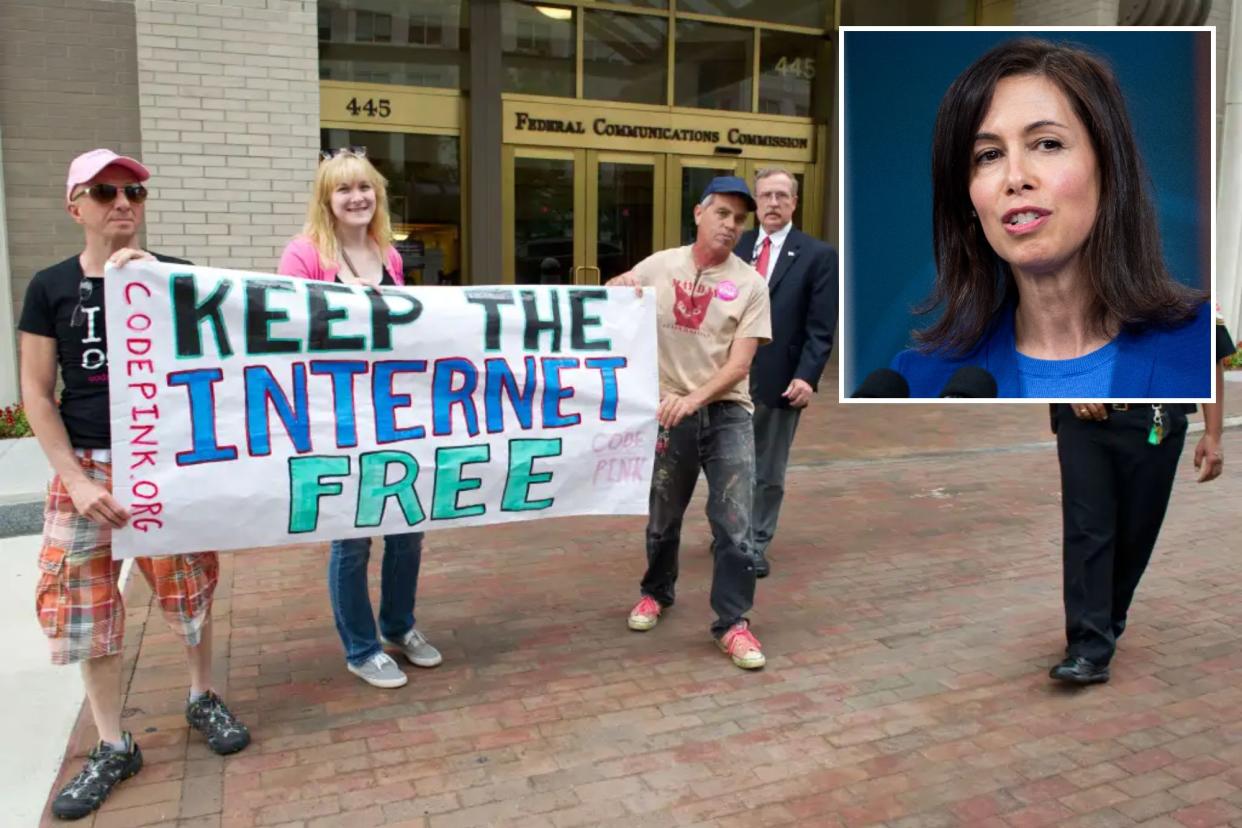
(82, 351)
(1224, 344)
(386, 280)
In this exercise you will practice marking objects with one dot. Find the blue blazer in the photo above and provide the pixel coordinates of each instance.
(1153, 363)
(803, 295)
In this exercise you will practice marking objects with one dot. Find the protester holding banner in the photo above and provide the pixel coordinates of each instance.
(347, 238)
(77, 598)
(712, 314)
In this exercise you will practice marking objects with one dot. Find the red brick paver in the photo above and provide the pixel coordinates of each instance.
(913, 611)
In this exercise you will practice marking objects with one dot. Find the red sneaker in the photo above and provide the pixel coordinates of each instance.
(742, 646)
(645, 614)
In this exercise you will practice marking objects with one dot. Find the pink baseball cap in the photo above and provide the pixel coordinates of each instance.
(89, 164)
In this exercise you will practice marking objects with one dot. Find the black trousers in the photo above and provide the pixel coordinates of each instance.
(1115, 489)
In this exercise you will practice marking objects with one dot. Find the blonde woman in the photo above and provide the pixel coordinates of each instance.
(347, 239)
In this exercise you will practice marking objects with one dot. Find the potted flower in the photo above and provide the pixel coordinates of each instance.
(13, 422)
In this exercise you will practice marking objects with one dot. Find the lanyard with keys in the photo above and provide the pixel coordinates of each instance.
(1156, 435)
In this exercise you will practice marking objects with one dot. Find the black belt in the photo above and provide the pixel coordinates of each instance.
(1135, 406)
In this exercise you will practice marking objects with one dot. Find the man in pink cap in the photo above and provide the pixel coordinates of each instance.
(77, 598)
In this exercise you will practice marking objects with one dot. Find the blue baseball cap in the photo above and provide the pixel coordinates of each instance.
(732, 185)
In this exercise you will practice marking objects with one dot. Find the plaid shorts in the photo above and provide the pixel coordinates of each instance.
(77, 599)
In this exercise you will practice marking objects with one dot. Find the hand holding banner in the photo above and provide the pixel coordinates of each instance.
(255, 410)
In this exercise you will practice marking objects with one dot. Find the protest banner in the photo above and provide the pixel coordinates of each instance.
(256, 410)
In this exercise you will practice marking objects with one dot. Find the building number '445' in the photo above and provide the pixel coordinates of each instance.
(371, 107)
(797, 68)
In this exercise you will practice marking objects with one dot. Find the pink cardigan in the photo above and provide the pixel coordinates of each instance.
(302, 259)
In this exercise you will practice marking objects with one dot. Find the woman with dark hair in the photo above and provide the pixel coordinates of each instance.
(1049, 267)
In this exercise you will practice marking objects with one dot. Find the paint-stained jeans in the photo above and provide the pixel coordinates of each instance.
(719, 439)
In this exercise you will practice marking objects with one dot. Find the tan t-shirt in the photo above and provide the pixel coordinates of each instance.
(700, 313)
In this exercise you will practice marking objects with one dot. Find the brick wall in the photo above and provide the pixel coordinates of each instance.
(68, 83)
(229, 97)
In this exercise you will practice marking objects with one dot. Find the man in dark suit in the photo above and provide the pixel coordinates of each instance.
(801, 273)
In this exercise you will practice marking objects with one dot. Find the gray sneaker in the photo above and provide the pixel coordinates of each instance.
(379, 671)
(416, 648)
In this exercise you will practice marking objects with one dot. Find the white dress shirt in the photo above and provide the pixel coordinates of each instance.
(778, 241)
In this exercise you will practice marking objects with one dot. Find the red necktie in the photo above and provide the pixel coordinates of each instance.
(761, 264)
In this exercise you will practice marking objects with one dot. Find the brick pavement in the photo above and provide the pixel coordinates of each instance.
(912, 614)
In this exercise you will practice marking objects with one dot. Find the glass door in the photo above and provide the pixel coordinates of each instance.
(544, 215)
(577, 216)
(625, 200)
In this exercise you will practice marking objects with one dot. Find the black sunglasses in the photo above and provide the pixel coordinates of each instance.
(85, 288)
(106, 193)
(357, 152)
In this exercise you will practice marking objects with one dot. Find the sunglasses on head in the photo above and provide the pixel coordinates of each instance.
(106, 193)
(357, 152)
(85, 289)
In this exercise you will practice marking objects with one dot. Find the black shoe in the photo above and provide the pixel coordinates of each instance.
(225, 734)
(105, 767)
(1078, 670)
(762, 568)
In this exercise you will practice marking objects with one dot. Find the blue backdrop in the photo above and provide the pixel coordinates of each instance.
(893, 83)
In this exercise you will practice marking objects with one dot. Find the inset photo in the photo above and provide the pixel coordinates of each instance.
(1027, 215)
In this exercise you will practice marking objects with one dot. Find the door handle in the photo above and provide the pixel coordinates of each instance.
(580, 277)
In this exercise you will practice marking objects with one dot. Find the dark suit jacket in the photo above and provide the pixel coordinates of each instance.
(803, 293)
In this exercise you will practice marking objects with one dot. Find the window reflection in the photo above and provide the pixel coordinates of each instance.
(812, 13)
(907, 12)
(543, 223)
(625, 57)
(626, 198)
(406, 42)
(539, 49)
(789, 65)
(713, 68)
(646, 4)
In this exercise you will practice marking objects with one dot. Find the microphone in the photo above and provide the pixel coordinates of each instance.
(883, 383)
(970, 382)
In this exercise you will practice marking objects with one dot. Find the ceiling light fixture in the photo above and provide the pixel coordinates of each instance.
(555, 12)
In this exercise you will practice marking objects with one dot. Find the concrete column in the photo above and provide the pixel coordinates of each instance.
(9, 390)
(1065, 12)
(1229, 181)
(485, 208)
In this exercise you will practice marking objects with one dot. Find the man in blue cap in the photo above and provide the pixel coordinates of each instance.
(712, 314)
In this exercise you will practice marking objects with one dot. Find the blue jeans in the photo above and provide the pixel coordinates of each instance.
(720, 440)
(351, 600)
